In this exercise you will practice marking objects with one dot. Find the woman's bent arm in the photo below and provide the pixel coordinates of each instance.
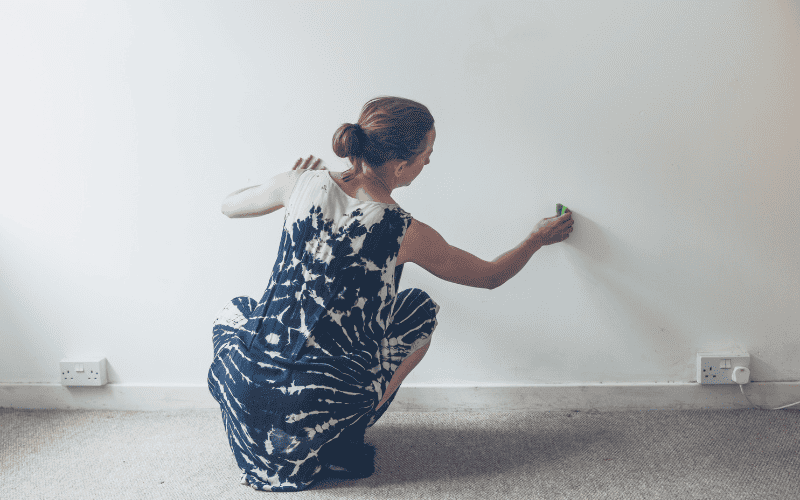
(510, 263)
(427, 248)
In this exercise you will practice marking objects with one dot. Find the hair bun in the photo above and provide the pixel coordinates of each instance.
(360, 139)
(360, 133)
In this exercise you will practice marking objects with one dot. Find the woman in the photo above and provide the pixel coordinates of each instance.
(301, 374)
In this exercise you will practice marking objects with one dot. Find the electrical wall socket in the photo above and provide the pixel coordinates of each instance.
(84, 371)
(717, 367)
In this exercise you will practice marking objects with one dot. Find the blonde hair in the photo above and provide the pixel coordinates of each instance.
(389, 128)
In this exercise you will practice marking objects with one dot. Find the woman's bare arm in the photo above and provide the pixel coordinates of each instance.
(255, 201)
(428, 249)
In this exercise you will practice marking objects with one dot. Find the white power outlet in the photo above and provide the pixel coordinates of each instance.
(87, 371)
(718, 367)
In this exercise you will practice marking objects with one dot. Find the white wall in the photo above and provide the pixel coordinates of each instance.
(671, 129)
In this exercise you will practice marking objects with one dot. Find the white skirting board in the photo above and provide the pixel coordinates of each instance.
(420, 398)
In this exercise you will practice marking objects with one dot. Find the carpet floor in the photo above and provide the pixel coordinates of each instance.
(653, 455)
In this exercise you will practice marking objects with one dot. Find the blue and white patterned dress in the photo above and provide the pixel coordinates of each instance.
(316, 353)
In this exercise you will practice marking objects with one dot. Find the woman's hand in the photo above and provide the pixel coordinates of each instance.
(315, 166)
(554, 229)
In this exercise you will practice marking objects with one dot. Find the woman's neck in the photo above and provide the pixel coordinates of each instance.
(369, 177)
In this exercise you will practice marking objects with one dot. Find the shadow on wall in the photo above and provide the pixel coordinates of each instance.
(629, 285)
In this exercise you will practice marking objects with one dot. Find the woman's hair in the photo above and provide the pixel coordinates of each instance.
(389, 128)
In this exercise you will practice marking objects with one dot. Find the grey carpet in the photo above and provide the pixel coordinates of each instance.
(713, 454)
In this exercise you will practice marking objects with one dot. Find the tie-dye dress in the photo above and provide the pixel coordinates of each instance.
(316, 353)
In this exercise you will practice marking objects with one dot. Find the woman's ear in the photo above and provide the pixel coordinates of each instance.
(398, 169)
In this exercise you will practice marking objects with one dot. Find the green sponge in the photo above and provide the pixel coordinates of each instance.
(560, 209)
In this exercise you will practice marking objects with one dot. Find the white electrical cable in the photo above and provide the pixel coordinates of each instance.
(741, 388)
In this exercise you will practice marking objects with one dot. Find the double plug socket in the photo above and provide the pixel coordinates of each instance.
(731, 367)
(84, 371)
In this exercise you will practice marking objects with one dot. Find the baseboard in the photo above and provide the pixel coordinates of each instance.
(429, 398)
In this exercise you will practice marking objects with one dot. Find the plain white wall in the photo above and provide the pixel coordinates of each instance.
(671, 129)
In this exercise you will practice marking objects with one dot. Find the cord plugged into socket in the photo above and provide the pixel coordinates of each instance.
(740, 375)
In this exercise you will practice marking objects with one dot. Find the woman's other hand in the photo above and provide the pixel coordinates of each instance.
(317, 165)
